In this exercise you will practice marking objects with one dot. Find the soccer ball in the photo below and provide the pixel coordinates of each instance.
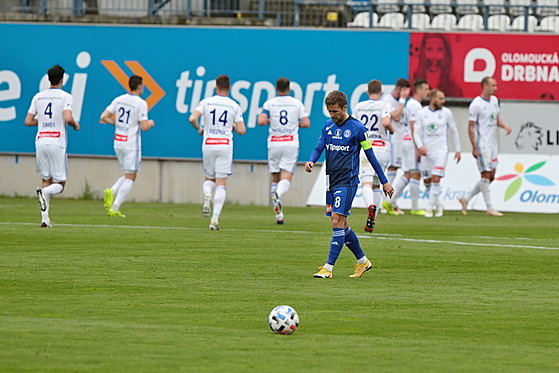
(283, 320)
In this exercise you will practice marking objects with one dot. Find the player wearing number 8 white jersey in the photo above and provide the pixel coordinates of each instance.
(374, 114)
(50, 111)
(483, 120)
(285, 115)
(221, 116)
(128, 113)
(431, 138)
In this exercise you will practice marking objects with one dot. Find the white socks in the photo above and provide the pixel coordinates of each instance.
(118, 183)
(219, 200)
(399, 186)
(122, 193)
(434, 193)
(274, 187)
(283, 187)
(208, 187)
(52, 189)
(329, 267)
(414, 193)
(378, 195)
(368, 195)
(391, 175)
(475, 190)
(362, 260)
(484, 186)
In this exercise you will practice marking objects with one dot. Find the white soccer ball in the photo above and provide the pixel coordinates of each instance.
(283, 320)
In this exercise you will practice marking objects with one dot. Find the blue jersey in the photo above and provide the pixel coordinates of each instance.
(342, 143)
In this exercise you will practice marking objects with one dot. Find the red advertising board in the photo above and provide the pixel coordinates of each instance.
(526, 66)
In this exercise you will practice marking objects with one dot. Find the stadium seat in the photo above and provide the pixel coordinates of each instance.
(494, 7)
(419, 21)
(518, 24)
(443, 22)
(547, 7)
(363, 20)
(520, 9)
(467, 7)
(391, 20)
(417, 6)
(470, 22)
(549, 24)
(498, 22)
(440, 6)
(387, 6)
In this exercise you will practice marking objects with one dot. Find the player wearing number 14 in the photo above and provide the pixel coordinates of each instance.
(128, 113)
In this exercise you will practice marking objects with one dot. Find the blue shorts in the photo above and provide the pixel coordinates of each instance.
(339, 200)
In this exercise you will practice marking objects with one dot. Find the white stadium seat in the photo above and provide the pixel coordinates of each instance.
(440, 6)
(518, 24)
(548, 7)
(467, 7)
(362, 20)
(443, 22)
(494, 6)
(470, 22)
(419, 21)
(498, 22)
(387, 6)
(392, 20)
(417, 6)
(549, 24)
(519, 10)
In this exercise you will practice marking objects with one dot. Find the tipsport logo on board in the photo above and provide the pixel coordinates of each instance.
(537, 192)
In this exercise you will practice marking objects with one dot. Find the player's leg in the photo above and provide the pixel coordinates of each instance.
(333, 210)
(274, 158)
(54, 170)
(487, 179)
(426, 168)
(223, 168)
(440, 160)
(484, 166)
(110, 193)
(208, 186)
(122, 194)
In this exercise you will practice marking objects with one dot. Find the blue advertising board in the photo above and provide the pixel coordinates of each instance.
(179, 66)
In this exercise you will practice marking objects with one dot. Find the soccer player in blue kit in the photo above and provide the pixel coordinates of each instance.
(343, 137)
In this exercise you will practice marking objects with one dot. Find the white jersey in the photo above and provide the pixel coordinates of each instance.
(371, 113)
(485, 114)
(411, 108)
(284, 113)
(431, 130)
(219, 114)
(129, 110)
(49, 106)
(393, 103)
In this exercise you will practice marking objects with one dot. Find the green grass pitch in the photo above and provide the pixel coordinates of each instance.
(159, 292)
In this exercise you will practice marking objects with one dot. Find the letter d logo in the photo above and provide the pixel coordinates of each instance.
(485, 55)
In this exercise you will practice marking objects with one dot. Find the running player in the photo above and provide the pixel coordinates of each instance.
(222, 116)
(483, 120)
(284, 114)
(374, 114)
(396, 102)
(410, 164)
(343, 137)
(51, 110)
(128, 113)
(431, 137)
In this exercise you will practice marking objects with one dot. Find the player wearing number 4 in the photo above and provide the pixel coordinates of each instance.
(128, 113)
(343, 137)
(285, 115)
(374, 114)
(222, 116)
(50, 111)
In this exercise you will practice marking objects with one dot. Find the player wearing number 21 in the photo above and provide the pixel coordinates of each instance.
(50, 111)
(128, 113)
(343, 137)
(221, 116)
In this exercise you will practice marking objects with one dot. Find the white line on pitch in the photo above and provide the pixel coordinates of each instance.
(386, 236)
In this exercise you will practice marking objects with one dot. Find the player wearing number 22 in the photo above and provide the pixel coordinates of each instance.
(221, 116)
(50, 111)
(128, 113)
(343, 137)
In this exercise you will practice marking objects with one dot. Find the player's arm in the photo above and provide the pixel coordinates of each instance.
(455, 137)
(108, 117)
(264, 118)
(30, 120)
(418, 138)
(316, 153)
(397, 113)
(69, 119)
(387, 123)
(304, 122)
(146, 124)
(472, 136)
(501, 124)
(240, 127)
(193, 119)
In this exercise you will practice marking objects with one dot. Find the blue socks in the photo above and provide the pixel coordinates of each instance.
(339, 237)
(352, 242)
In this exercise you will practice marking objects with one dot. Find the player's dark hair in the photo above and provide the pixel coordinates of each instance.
(222, 82)
(282, 84)
(336, 97)
(418, 83)
(485, 81)
(55, 74)
(374, 87)
(434, 92)
(134, 82)
(401, 82)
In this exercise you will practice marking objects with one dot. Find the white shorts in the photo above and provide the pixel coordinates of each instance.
(409, 156)
(129, 159)
(367, 173)
(396, 151)
(52, 162)
(218, 163)
(433, 164)
(487, 160)
(282, 158)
